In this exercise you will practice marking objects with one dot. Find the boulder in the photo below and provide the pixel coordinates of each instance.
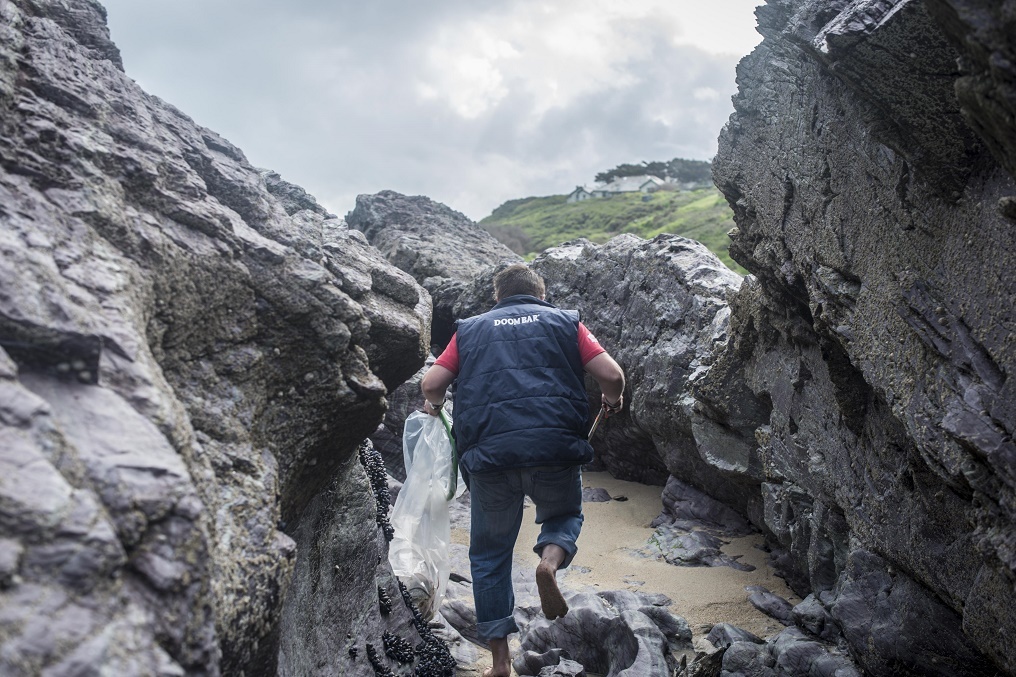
(617, 633)
(873, 205)
(441, 248)
(771, 604)
(659, 307)
(190, 353)
(722, 635)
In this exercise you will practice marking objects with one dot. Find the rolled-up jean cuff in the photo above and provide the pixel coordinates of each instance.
(569, 550)
(497, 629)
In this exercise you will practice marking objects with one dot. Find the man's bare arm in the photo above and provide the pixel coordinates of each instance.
(434, 385)
(608, 375)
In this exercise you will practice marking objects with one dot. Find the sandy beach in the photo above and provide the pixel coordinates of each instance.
(704, 596)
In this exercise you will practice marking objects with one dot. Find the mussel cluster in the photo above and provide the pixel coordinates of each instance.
(435, 660)
(397, 648)
(384, 600)
(372, 462)
(380, 669)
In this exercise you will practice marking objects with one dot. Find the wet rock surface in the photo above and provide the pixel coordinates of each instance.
(871, 200)
(190, 353)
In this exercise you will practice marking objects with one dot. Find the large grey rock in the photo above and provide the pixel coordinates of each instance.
(895, 626)
(791, 653)
(660, 308)
(189, 360)
(811, 616)
(869, 181)
(441, 248)
(684, 505)
(617, 633)
(343, 596)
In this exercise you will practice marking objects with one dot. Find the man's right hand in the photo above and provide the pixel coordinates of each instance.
(609, 409)
(430, 409)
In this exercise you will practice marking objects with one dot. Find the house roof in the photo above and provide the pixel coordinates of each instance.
(630, 184)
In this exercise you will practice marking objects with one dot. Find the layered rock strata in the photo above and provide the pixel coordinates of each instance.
(872, 186)
(191, 353)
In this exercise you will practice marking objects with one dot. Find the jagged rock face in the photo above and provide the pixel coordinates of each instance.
(876, 222)
(441, 248)
(184, 366)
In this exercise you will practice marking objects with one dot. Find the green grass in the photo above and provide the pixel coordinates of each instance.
(531, 225)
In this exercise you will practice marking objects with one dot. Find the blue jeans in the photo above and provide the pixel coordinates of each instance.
(496, 500)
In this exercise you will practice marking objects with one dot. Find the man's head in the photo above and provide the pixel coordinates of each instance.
(516, 279)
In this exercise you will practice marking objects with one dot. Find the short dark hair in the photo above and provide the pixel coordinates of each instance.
(518, 278)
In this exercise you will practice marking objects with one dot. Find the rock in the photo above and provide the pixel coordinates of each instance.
(441, 248)
(705, 664)
(865, 355)
(811, 616)
(748, 659)
(566, 668)
(191, 353)
(533, 663)
(659, 308)
(293, 198)
(798, 655)
(896, 626)
(339, 575)
(723, 635)
(595, 495)
(692, 526)
(686, 507)
(982, 31)
(690, 548)
(790, 654)
(615, 632)
(770, 604)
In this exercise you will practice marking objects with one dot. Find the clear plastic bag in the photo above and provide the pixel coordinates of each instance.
(419, 551)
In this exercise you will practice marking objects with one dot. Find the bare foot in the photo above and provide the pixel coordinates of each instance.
(551, 598)
(501, 657)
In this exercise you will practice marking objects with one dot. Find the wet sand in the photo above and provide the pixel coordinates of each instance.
(704, 596)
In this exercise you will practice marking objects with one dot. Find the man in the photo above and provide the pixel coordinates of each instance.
(521, 418)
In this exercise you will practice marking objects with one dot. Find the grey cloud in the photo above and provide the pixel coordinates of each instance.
(323, 93)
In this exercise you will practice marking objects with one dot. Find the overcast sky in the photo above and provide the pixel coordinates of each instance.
(469, 102)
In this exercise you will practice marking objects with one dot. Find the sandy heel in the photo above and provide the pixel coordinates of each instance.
(551, 599)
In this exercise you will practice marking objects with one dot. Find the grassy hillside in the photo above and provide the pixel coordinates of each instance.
(533, 224)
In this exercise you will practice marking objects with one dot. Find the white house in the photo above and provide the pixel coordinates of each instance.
(579, 194)
(622, 184)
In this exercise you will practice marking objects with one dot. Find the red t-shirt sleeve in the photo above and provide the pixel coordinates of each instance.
(589, 347)
(450, 357)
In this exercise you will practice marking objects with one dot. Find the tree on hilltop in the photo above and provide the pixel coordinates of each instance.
(678, 169)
